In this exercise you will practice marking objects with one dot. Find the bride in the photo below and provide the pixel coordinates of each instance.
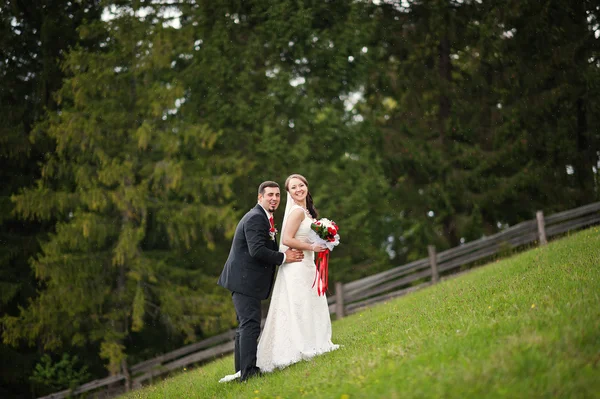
(298, 325)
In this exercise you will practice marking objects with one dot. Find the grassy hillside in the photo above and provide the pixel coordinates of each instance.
(523, 327)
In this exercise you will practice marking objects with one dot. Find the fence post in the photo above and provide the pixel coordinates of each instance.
(539, 215)
(125, 371)
(339, 300)
(435, 276)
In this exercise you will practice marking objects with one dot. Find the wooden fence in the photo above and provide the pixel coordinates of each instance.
(424, 272)
(359, 294)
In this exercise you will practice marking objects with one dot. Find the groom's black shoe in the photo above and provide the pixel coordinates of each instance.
(252, 373)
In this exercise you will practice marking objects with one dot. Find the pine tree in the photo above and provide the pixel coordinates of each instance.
(33, 37)
(479, 117)
(133, 186)
(547, 96)
(274, 78)
(429, 144)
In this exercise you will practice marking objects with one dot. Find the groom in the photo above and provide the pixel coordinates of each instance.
(249, 273)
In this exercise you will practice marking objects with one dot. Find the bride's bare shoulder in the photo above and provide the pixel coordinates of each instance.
(297, 212)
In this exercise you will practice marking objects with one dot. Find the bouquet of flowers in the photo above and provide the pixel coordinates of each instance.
(323, 232)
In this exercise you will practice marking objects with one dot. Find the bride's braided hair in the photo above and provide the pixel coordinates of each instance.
(310, 206)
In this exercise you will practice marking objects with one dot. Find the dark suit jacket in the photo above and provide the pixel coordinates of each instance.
(250, 267)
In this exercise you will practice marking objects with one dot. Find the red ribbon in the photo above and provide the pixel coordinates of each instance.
(322, 272)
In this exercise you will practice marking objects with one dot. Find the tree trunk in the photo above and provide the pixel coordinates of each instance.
(585, 159)
(445, 69)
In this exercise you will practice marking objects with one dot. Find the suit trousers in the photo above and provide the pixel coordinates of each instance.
(248, 313)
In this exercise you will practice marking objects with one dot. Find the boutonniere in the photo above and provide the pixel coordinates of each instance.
(272, 232)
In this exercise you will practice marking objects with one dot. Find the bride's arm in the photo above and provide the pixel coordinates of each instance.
(293, 223)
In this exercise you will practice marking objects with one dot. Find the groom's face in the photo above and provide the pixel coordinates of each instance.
(270, 198)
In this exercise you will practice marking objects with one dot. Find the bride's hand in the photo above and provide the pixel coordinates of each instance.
(318, 247)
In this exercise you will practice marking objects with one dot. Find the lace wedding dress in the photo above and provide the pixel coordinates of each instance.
(298, 325)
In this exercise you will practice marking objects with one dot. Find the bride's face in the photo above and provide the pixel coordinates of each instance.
(298, 190)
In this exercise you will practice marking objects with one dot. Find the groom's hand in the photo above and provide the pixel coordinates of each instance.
(293, 255)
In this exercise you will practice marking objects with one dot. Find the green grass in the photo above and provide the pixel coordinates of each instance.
(523, 327)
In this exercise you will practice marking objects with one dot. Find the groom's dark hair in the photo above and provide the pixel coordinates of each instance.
(265, 184)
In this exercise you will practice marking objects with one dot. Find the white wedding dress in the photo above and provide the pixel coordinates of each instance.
(298, 325)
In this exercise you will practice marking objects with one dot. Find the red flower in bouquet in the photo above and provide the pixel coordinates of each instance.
(325, 229)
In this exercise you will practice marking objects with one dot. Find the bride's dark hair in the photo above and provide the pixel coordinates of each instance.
(310, 206)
